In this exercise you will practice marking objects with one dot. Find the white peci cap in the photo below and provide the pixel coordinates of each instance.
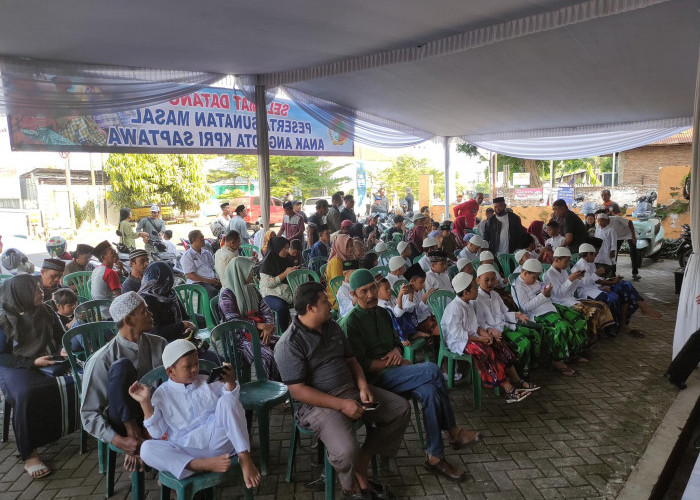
(477, 240)
(461, 282)
(124, 304)
(463, 262)
(430, 242)
(562, 252)
(486, 255)
(519, 255)
(485, 268)
(380, 247)
(396, 263)
(533, 265)
(175, 350)
(586, 248)
(603, 216)
(403, 245)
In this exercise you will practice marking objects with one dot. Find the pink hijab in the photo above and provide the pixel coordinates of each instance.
(340, 248)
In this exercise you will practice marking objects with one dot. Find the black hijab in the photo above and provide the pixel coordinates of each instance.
(30, 327)
(357, 231)
(158, 283)
(124, 214)
(273, 264)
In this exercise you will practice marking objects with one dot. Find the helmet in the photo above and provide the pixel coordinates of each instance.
(56, 246)
(14, 260)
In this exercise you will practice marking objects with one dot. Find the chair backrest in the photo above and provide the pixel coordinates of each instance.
(92, 336)
(196, 301)
(397, 286)
(214, 307)
(545, 268)
(391, 245)
(512, 277)
(158, 375)
(81, 282)
(385, 256)
(93, 310)
(506, 260)
(316, 262)
(514, 293)
(185, 243)
(438, 301)
(305, 256)
(223, 338)
(476, 263)
(574, 259)
(300, 276)
(335, 285)
(452, 271)
(322, 270)
(415, 261)
(249, 250)
(398, 237)
(457, 253)
(383, 270)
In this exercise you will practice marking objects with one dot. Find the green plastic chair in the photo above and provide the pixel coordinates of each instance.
(316, 263)
(391, 246)
(574, 259)
(188, 294)
(4, 277)
(81, 282)
(452, 271)
(248, 250)
(322, 271)
(214, 309)
(417, 259)
(299, 276)
(335, 285)
(438, 301)
(385, 256)
(512, 278)
(92, 310)
(383, 270)
(545, 268)
(259, 396)
(305, 256)
(397, 286)
(507, 263)
(456, 252)
(398, 237)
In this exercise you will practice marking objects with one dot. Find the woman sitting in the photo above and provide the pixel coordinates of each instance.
(341, 251)
(241, 301)
(273, 279)
(44, 401)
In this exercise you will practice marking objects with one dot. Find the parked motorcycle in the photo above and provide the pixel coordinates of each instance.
(650, 234)
(686, 246)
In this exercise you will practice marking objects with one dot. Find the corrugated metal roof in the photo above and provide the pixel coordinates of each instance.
(685, 137)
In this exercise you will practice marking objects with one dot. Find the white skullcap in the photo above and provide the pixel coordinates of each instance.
(463, 262)
(476, 240)
(380, 247)
(430, 242)
(175, 350)
(519, 255)
(461, 281)
(586, 248)
(403, 245)
(155, 208)
(533, 265)
(396, 263)
(485, 255)
(484, 244)
(562, 252)
(603, 216)
(485, 268)
(123, 305)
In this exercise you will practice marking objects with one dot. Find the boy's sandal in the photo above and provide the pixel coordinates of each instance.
(530, 387)
(464, 438)
(516, 395)
(37, 471)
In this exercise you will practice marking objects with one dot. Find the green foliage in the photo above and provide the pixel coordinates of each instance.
(405, 171)
(139, 179)
(83, 214)
(227, 195)
(470, 150)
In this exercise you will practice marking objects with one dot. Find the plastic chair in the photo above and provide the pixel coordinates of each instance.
(92, 310)
(438, 301)
(512, 278)
(574, 259)
(545, 268)
(417, 259)
(322, 271)
(260, 395)
(452, 271)
(316, 263)
(188, 293)
(383, 270)
(300, 276)
(457, 253)
(248, 250)
(214, 309)
(385, 256)
(81, 282)
(507, 263)
(305, 256)
(335, 285)
(397, 286)
(391, 246)
(398, 237)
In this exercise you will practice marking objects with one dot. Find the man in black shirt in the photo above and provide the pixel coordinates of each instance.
(570, 225)
(315, 221)
(398, 227)
(347, 213)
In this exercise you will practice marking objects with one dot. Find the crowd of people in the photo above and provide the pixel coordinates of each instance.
(338, 344)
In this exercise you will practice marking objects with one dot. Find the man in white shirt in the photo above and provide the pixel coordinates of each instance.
(224, 217)
(198, 264)
(239, 225)
(227, 252)
(624, 229)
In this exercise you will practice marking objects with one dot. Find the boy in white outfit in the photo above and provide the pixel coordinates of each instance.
(345, 301)
(397, 266)
(429, 245)
(472, 248)
(404, 250)
(520, 257)
(205, 423)
(437, 277)
(607, 254)
(555, 238)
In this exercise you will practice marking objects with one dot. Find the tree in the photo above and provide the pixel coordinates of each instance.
(405, 172)
(139, 179)
(305, 174)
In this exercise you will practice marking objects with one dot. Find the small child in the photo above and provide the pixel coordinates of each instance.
(345, 301)
(320, 248)
(397, 267)
(169, 245)
(607, 254)
(380, 248)
(449, 243)
(435, 230)
(520, 257)
(472, 248)
(463, 335)
(437, 277)
(65, 301)
(295, 248)
(465, 265)
(555, 238)
(404, 249)
(564, 336)
(205, 423)
(405, 323)
(590, 224)
(429, 245)
(486, 257)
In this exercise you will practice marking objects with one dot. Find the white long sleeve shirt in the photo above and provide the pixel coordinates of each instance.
(423, 311)
(424, 263)
(458, 324)
(531, 300)
(554, 242)
(392, 278)
(466, 254)
(440, 281)
(392, 306)
(344, 299)
(589, 287)
(609, 237)
(186, 413)
(491, 312)
(563, 289)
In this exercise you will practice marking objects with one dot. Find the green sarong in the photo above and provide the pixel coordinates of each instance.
(564, 334)
(525, 342)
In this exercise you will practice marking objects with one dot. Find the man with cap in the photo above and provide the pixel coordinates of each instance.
(469, 210)
(437, 278)
(316, 220)
(138, 260)
(331, 392)
(292, 223)
(504, 231)
(81, 260)
(398, 227)
(472, 249)
(298, 210)
(154, 227)
(348, 212)
(570, 226)
(607, 254)
(378, 350)
(51, 273)
(397, 266)
(429, 244)
(448, 241)
(104, 281)
(345, 300)
(239, 225)
(224, 217)
(107, 412)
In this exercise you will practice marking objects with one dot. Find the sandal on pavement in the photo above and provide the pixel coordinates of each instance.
(442, 468)
(380, 491)
(465, 437)
(516, 395)
(531, 386)
(37, 471)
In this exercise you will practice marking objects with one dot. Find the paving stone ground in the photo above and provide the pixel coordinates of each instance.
(575, 438)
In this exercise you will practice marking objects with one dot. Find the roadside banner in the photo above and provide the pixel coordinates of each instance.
(529, 194)
(361, 180)
(212, 121)
(564, 193)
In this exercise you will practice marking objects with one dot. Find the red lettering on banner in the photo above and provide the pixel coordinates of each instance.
(285, 109)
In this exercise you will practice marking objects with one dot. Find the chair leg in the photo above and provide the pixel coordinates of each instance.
(476, 385)
(102, 449)
(111, 464)
(6, 417)
(164, 492)
(138, 486)
(292, 451)
(419, 425)
(83, 440)
(329, 479)
(264, 433)
(450, 373)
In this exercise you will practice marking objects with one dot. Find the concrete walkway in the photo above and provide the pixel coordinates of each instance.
(575, 438)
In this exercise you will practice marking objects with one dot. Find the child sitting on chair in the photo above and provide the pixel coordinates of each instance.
(405, 323)
(205, 423)
(437, 277)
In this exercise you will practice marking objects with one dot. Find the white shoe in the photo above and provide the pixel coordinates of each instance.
(458, 376)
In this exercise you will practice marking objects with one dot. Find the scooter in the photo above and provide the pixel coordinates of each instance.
(686, 246)
(650, 234)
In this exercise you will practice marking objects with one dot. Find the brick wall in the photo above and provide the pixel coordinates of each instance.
(641, 165)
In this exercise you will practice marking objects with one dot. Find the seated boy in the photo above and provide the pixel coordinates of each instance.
(345, 302)
(435, 230)
(404, 322)
(204, 423)
(472, 248)
(320, 248)
(520, 257)
(397, 266)
(437, 277)
(404, 249)
(429, 245)
(167, 241)
(465, 265)
(65, 301)
(555, 238)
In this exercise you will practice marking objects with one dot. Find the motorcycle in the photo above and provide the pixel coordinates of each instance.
(686, 246)
(157, 255)
(650, 234)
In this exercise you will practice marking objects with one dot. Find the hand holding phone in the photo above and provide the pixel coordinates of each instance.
(370, 406)
(215, 374)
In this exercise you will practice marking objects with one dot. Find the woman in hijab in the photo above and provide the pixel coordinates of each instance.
(268, 236)
(343, 249)
(417, 235)
(170, 319)
(273, 279)
(241, 301)
(537, 230)
(127, 235)
(44, 402)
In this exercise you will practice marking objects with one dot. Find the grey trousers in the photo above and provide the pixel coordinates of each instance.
(338, 434)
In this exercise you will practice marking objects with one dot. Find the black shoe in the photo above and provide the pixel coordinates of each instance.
(636, 277)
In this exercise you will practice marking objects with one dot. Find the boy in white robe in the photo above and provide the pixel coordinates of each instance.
(404, 250)
(520, 257)
(429, 245)
(464, 265)
(345, 301)
(205, 423)
(607, 254)
(555, 238)
(437, 277)
(472, 248)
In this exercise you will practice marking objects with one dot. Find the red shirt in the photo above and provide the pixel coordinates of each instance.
(468, 210)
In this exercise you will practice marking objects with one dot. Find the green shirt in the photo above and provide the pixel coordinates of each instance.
(371, 335)
(128, 234)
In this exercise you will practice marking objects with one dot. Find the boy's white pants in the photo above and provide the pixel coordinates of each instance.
(229, 435)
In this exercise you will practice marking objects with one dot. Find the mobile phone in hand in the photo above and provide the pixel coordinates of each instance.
(370, 406)
(58, 357)
(215, 374)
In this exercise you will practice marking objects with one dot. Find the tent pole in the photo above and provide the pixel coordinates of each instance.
(551, 182)
(263, 155)
(446, 145)
(612, 179)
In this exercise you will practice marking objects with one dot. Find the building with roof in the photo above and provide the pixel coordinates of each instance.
(641, 165)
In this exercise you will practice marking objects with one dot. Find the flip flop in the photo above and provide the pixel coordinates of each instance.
(38, 471)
